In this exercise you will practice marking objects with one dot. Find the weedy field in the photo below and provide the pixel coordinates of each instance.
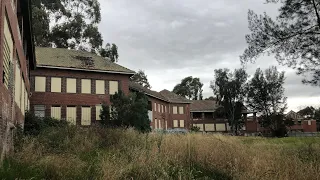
(98, 153)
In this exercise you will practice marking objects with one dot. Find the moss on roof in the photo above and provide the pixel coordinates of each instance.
(59, 57)
(173, 97)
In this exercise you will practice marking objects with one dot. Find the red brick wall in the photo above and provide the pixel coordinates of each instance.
(69, 99)
(309, 128)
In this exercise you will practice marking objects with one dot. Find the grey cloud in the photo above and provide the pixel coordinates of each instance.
(174, 39)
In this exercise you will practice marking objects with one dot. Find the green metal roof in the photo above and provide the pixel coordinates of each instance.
(73, 59)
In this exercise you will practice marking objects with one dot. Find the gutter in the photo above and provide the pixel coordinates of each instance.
(89, 70)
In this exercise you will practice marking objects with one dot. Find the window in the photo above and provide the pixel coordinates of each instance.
(71, 85)
(182, 123)
(309, 123)
(160, 126)
(72, 115)
(155, 106)
(159, 106)
(100, 87)
(39, 110)
(165, 109)
(175, 109)
(155, 124)
(56, 112)
(85, 86)
(17, 89)
(55, 84)
(166, 124)
(162, 110)
(181, 110)
(149, 106)
(113, 87)
(7, 54)
(209, 127)
(98, 111)
(200, 126)
(86, 116)
(40, 84)
(220, 127)
(175, 123)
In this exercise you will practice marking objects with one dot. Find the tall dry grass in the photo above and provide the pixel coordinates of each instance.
(75, 153)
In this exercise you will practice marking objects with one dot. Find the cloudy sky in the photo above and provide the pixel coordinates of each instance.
(173, 39)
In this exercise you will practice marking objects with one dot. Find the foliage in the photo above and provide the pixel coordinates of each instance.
(105, 115)
(70, 24)
(307, 111)
(195, 129)
(141, 78)
(229, 89)
(110, 51)
(100, 153)
(292, 37)
(127, 111)
(34, 125)
(211, 98)
(265, 94)
(190, 88)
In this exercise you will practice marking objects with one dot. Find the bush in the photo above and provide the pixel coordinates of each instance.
(195, 129)
(33, 125)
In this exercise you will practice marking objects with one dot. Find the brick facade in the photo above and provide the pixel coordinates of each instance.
(64, 99)
(10, 113)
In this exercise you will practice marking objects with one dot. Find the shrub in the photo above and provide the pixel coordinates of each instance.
(33, 125)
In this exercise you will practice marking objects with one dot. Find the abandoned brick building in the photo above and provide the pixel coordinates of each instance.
(71, 85)
(16, 59)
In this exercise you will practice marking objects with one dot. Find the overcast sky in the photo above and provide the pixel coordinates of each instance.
(173, 39)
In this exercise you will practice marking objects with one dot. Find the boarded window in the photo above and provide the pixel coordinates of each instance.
(200, 126)
(40, 84)
(159, 106)
(165, 109)
(155, 124)
(100, 87)
(86, 116)
(166, 124)
(175, 109)
(182, 123)
(162, 110)
(22, 104)
(7, 54)
(155, 106)
(309, 122)
(209, 127)
(72, 115)
(56, 112)
(160, 125)
(71, 85)
(85, 86)
(113, 87)
(98, 111)
(55, 84)
(181, 110)
(17, 89)
(220, 127)
(39, 110)
(175, 123)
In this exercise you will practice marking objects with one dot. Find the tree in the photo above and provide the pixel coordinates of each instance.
(110, 51)
(293, 37)
(70, 24)
(141, 78)
(127, 111)
(265, 94)
(307, 112)
(229, 89)
(190, 88)
(210, 98)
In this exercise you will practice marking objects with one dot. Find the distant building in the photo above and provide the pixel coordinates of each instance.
(167, 110)
(71, 85)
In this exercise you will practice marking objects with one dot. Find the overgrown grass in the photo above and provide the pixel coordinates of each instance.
(97, 153)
